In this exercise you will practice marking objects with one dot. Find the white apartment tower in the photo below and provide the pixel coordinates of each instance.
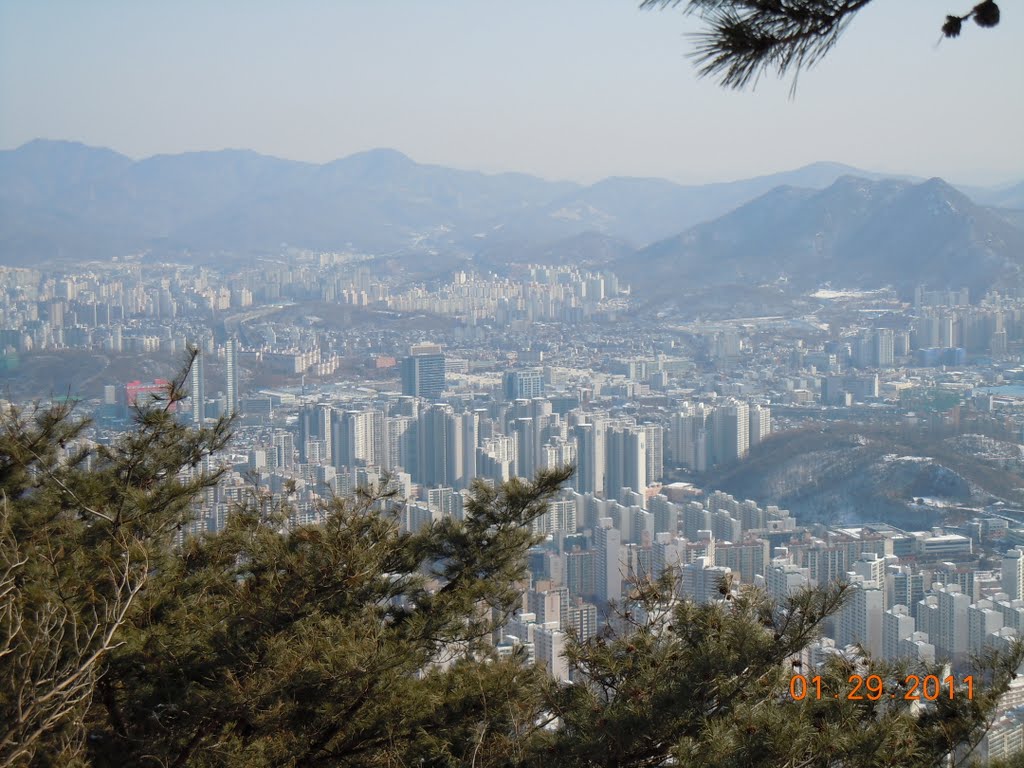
(608, 566)
(655, 435)
(982, 621)
(731, 423)
(760, 424)
(231, 374)
(860, 620)
(702, 582)
(591, 457)
(784, 578)
(897, 625)
(1013, 574)
(198, 375)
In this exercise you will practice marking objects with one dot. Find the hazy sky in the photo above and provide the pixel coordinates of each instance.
(576, 89)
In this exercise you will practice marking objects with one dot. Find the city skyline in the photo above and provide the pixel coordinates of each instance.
(357, 444)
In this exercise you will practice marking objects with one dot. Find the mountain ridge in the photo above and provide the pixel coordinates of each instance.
(64, 200)
(856, 232)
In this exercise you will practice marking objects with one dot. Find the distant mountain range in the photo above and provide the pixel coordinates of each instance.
(853, 233)
(66, 201)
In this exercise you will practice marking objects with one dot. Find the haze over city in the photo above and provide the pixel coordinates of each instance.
(696, 440)
(570, 90)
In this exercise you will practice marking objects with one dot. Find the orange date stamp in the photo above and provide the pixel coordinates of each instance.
(873, 688)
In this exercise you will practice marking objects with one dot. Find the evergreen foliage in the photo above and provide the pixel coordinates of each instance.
(82, 534)
(332, 644)
(746, 38)
(353, 643)
(709, 685)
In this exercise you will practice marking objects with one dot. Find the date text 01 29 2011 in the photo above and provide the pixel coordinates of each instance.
(872, 688)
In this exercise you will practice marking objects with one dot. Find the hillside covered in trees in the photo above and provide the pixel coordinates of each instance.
(847, 473)
(354, 643)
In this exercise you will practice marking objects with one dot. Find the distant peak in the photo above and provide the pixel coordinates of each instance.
(936, 185)
(58, 144)
(831, 165)
(52, 149)
(381, 155)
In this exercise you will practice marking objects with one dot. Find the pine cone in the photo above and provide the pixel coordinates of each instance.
(952, 26)
(986, 14)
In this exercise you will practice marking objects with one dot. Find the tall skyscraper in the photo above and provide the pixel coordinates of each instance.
(231, 374)
(590, 452)
(982, 621)
(860, 619)
(635, 464)
(731, 432)
(952, 636)
(284, 444)
(432, 446)
(467, 426)
(784, 578)
(655, 452)
(760, 423)
(357, 439)
(627, 459)
(702, 581)
(523, 384)
(884, 348)
(496, 458)
(608, 567)
(315, 428)
(423, 372)
(897, 624)
(198, 375)
(526, 457)
(400, 440)
(907, 588)
(689, 437)
(1013, 573)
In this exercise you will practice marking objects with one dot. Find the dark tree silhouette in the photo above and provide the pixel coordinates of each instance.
(746, 38)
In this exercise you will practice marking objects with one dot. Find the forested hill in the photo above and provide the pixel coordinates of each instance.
(852, 473)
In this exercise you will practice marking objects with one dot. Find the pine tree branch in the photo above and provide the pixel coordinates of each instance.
(746, 38)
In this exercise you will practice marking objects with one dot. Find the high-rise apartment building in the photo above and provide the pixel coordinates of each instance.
(582, 619)
(703, 582)
(784, 578)
(860, 619)
(689, 437)
(231, 374)
(655, 435)
(907, 588)
(423, 372)
(198, 376)
(462, 437)
(760, 424)
(731, 423)
(982, 620)
(358, 438)
(607, 565)
(943, 616)
(432, 446)
(626, 451)
(1013, 573)
(524, 431)
(315, 438)
(517, 385)
(591, 458)
(884, 352)
(400, 444)
(897, 625)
